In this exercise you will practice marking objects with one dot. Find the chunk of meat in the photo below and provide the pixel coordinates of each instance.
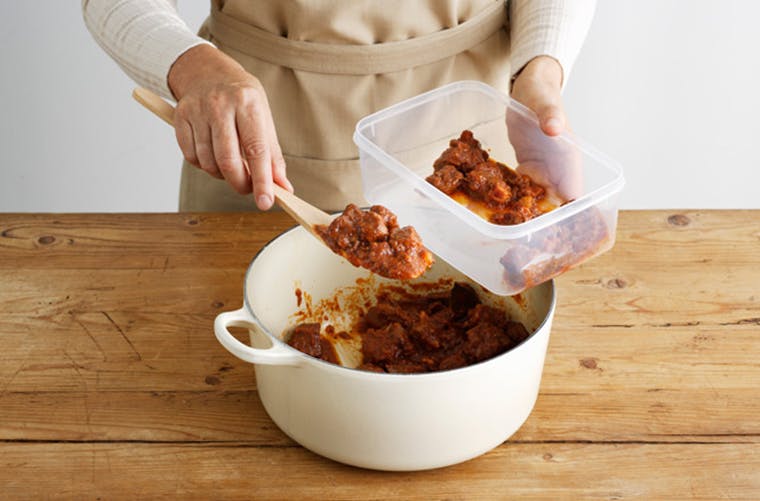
(307, 339)
(373, 239)
(384, 345)
(462, 299)
(384, 313)
(568, 243)
(492, 190)
(486, 182)
(485, 340)
(517, 332)
(463, 153)
(448, 179)
(373, 227)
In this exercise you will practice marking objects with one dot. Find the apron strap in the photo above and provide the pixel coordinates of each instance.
(353, 59)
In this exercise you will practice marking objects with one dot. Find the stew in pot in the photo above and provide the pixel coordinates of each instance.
(406, 332)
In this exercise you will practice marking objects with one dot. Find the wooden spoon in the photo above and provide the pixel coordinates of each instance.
(411, 259)
(303, 212)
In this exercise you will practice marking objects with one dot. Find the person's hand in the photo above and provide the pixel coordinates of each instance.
(538, 87)
(224, 125)
(550, 160)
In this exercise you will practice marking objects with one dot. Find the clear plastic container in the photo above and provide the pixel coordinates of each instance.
(397, 148)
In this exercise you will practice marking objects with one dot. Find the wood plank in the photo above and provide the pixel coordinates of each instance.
(632, 385)
(638, 293)
(197, 416)
(591, 294)
(652, 358)
(110, 350)
(98, 240)
(135, 241)
(727, 236)
(514, 471)
(179, 352)
(44, 295)
(676, 415)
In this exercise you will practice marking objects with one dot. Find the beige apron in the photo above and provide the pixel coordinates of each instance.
(327, 63)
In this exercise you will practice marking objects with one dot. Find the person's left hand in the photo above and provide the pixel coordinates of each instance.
(538, 87)
(550, 160)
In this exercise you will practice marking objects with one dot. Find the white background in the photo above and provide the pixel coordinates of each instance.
(670, 88)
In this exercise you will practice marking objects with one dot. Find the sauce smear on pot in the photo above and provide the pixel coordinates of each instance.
(373, 240)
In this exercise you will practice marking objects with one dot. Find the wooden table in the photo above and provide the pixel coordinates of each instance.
(112, 384)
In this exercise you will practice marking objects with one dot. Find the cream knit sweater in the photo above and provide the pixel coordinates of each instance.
(145, 37)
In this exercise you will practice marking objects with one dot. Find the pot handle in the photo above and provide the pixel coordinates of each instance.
(276, 355)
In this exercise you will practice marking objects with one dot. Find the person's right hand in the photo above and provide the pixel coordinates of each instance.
(224, 125)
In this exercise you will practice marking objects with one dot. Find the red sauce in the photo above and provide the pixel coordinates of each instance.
(466, 173)
(566, 244)
(299, 297)
(407, 332)
(373, 240)
(499, 194)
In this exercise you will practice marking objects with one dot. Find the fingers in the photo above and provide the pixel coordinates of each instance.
(194, 138)
(279, 174)
(184, 132)
(204, 150)
(255, 144)
(227, 153)
(546, 103)
(228, 132)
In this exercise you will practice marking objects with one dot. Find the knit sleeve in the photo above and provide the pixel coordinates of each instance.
(144, 37)
(555, 28)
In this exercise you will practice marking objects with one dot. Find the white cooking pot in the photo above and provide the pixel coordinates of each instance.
(380, 421)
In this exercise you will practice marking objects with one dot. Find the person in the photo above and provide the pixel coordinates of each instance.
(273, 84)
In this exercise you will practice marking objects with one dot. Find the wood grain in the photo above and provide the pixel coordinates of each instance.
(512, 471)
(113, 385)
(135, 242)
(223, 416)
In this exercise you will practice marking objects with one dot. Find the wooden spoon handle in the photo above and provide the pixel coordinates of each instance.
(155, 103)
(304, 213)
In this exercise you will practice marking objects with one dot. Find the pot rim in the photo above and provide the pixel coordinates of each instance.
(322, 364)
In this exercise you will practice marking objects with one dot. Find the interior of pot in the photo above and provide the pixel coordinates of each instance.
(292, 274)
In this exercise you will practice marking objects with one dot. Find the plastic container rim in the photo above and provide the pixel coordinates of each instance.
(492, 230)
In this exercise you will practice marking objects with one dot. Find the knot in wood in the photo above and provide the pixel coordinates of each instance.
(588, 363)
(679, 220)
(617, 283)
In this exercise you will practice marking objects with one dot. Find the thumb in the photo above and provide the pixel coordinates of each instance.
(538, 86)
(552, 119)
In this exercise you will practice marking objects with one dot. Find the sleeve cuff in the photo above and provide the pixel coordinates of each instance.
(144, 37)
(549, 28)
(159, 51)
